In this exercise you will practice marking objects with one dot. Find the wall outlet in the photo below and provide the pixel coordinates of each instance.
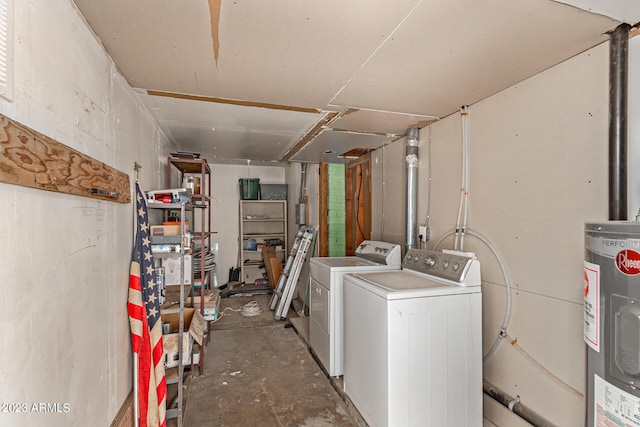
(422, 231)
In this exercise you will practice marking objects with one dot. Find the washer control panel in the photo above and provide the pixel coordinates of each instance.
(446, 265)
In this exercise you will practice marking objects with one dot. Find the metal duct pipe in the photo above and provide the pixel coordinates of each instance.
(514, 405)
(411, 158)
(618, 90)
(301, 209)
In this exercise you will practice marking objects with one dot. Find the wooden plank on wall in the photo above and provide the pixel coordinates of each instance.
(358, 202)
(31, 159)
(366, 197)
(349, 206)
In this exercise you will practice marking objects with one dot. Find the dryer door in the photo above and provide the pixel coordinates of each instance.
(319, 322)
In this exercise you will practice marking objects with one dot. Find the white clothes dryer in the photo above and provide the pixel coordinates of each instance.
(325, 301)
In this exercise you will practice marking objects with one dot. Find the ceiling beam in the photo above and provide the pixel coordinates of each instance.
(315, 131)
(232, 101)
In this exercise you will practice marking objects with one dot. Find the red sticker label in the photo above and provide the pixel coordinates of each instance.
(628, 262)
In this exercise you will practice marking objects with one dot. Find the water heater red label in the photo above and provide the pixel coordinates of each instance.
(628, 262)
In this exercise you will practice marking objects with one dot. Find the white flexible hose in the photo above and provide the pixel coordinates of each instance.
(458, 220)
(461, 219)
(427, 221)
(507, 280)
(456, 245)
(252, 308)
(465, 140)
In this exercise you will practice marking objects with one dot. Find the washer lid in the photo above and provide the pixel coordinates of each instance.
(347, 261)
(401, 284)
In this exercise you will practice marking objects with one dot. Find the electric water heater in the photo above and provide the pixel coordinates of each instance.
(612, 323)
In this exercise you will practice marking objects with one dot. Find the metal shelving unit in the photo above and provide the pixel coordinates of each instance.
(260, 220)
(175, 377)
(199, 208)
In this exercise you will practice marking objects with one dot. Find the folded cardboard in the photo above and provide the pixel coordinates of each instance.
(172, 298)
(208, 296)
(194, 325)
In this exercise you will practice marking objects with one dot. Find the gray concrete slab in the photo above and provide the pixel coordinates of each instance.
(232, 318)
(260, 373)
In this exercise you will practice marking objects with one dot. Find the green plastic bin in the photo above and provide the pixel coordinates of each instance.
(249, 188)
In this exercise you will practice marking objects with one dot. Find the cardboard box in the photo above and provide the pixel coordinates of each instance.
(172, 298)
(172, 270)
(210, 310)
(194, 325)
(168, 229)
(208, 296)
(211, 307)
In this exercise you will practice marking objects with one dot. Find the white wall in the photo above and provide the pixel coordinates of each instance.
(312, 192)
(64, 260)
(388, 193)
(538, 173)
(225, 209)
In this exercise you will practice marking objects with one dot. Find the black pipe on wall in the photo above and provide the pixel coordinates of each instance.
(515, 406)
(618, 88)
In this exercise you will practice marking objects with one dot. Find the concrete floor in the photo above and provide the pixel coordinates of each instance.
(260, 372)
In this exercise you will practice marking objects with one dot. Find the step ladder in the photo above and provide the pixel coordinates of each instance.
(277, 293)
(283, 294)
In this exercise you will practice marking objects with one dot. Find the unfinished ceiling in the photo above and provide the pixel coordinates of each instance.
(309, 80)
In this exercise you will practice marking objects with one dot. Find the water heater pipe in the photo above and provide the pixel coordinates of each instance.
(411, 159)
(618, 91)
(515, 406)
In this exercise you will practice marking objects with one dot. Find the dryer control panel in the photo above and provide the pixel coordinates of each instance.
(380, 252)
(462, 268)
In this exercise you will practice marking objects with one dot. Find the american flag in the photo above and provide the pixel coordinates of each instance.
(146, 325)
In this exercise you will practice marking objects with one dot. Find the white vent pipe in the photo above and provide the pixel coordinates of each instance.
(411, 159)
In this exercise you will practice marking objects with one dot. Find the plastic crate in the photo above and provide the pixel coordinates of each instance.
(273, 191)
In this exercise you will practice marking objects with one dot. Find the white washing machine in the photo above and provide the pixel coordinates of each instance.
(413, 342)
(325, 301)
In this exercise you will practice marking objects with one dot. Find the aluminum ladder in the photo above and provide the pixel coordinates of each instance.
(283, 294)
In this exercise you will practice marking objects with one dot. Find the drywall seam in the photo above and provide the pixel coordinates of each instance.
(214, 12)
